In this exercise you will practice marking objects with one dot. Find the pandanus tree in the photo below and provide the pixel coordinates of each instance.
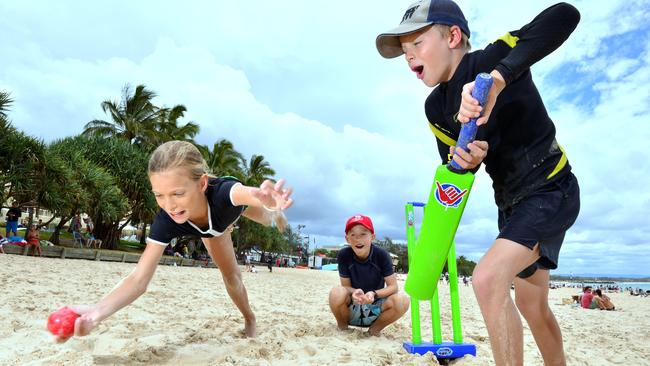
(126, 194)
(29, 173)
(23, 158)
(93, 190)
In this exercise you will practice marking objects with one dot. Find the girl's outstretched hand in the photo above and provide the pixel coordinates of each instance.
(275, 199)
(273, 196)
(84, 324)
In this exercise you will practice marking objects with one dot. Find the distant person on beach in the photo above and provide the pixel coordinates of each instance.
(193, 203)
(13, 215)
(247, 262)
(535, 191)
(603, 302)
(586, 297)
(90, 226)
(368, 295)
(34, 240)
(75, 225)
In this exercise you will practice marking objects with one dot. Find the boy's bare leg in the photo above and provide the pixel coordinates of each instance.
(392, 309)
(531, 297)
(491, 280)
(339, 300)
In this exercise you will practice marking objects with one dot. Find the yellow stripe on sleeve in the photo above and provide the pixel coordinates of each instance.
(441, 136)
(509, 39)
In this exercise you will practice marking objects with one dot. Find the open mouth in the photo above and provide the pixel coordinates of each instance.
(418, 70)
(359, 246)
(176, 215)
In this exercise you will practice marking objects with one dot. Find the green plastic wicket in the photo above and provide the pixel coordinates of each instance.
(415, 304)
(453, 294)
(435, 305)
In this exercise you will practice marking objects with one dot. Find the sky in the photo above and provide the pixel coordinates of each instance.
(301, 83)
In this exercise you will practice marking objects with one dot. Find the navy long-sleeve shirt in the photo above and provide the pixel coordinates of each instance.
(523, 153)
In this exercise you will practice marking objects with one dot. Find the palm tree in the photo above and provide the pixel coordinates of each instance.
(256, 171)
(133, 118)
(169, 124)
(223, 159)
(167, 128)
(5, 102)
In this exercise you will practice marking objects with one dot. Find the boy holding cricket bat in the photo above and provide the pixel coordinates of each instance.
(536, 193)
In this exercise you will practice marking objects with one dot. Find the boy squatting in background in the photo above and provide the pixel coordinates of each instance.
(368, 295)
(535, 191)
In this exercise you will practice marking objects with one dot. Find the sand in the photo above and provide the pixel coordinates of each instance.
(186, 318)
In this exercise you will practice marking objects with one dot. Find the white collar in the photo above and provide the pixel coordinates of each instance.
(210, 230)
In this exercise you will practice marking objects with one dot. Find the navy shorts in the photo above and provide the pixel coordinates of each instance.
(543, 217)
(12, 226)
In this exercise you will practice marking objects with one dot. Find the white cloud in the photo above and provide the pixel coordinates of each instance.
(303, 85)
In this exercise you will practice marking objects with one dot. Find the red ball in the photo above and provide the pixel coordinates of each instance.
(61, 322)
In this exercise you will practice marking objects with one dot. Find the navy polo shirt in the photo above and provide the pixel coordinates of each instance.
(367, 275)
(221, 213)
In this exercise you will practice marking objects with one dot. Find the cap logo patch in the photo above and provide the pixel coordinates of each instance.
(409, 13)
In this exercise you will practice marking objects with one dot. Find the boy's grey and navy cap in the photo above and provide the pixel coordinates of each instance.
(419, 15)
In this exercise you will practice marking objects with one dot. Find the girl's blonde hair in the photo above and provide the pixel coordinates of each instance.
(178, 154)
(464, 41)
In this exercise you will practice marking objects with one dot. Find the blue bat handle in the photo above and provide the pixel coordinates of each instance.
(480, 92)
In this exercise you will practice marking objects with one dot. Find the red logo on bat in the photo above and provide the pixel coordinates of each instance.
(449, 195)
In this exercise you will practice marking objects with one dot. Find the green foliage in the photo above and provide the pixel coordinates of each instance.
(132, 118)
(138, 121)
(223, 159)
(113, 183)
(24, 162)
(103, 171)
(5, 103)
(256, 171)
(465, 266)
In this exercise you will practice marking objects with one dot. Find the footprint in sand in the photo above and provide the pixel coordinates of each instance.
(345, 358)
(311, 351)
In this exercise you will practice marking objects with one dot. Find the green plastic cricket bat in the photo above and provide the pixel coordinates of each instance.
(449, 194)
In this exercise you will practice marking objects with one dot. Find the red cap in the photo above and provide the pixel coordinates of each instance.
(359, 220)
